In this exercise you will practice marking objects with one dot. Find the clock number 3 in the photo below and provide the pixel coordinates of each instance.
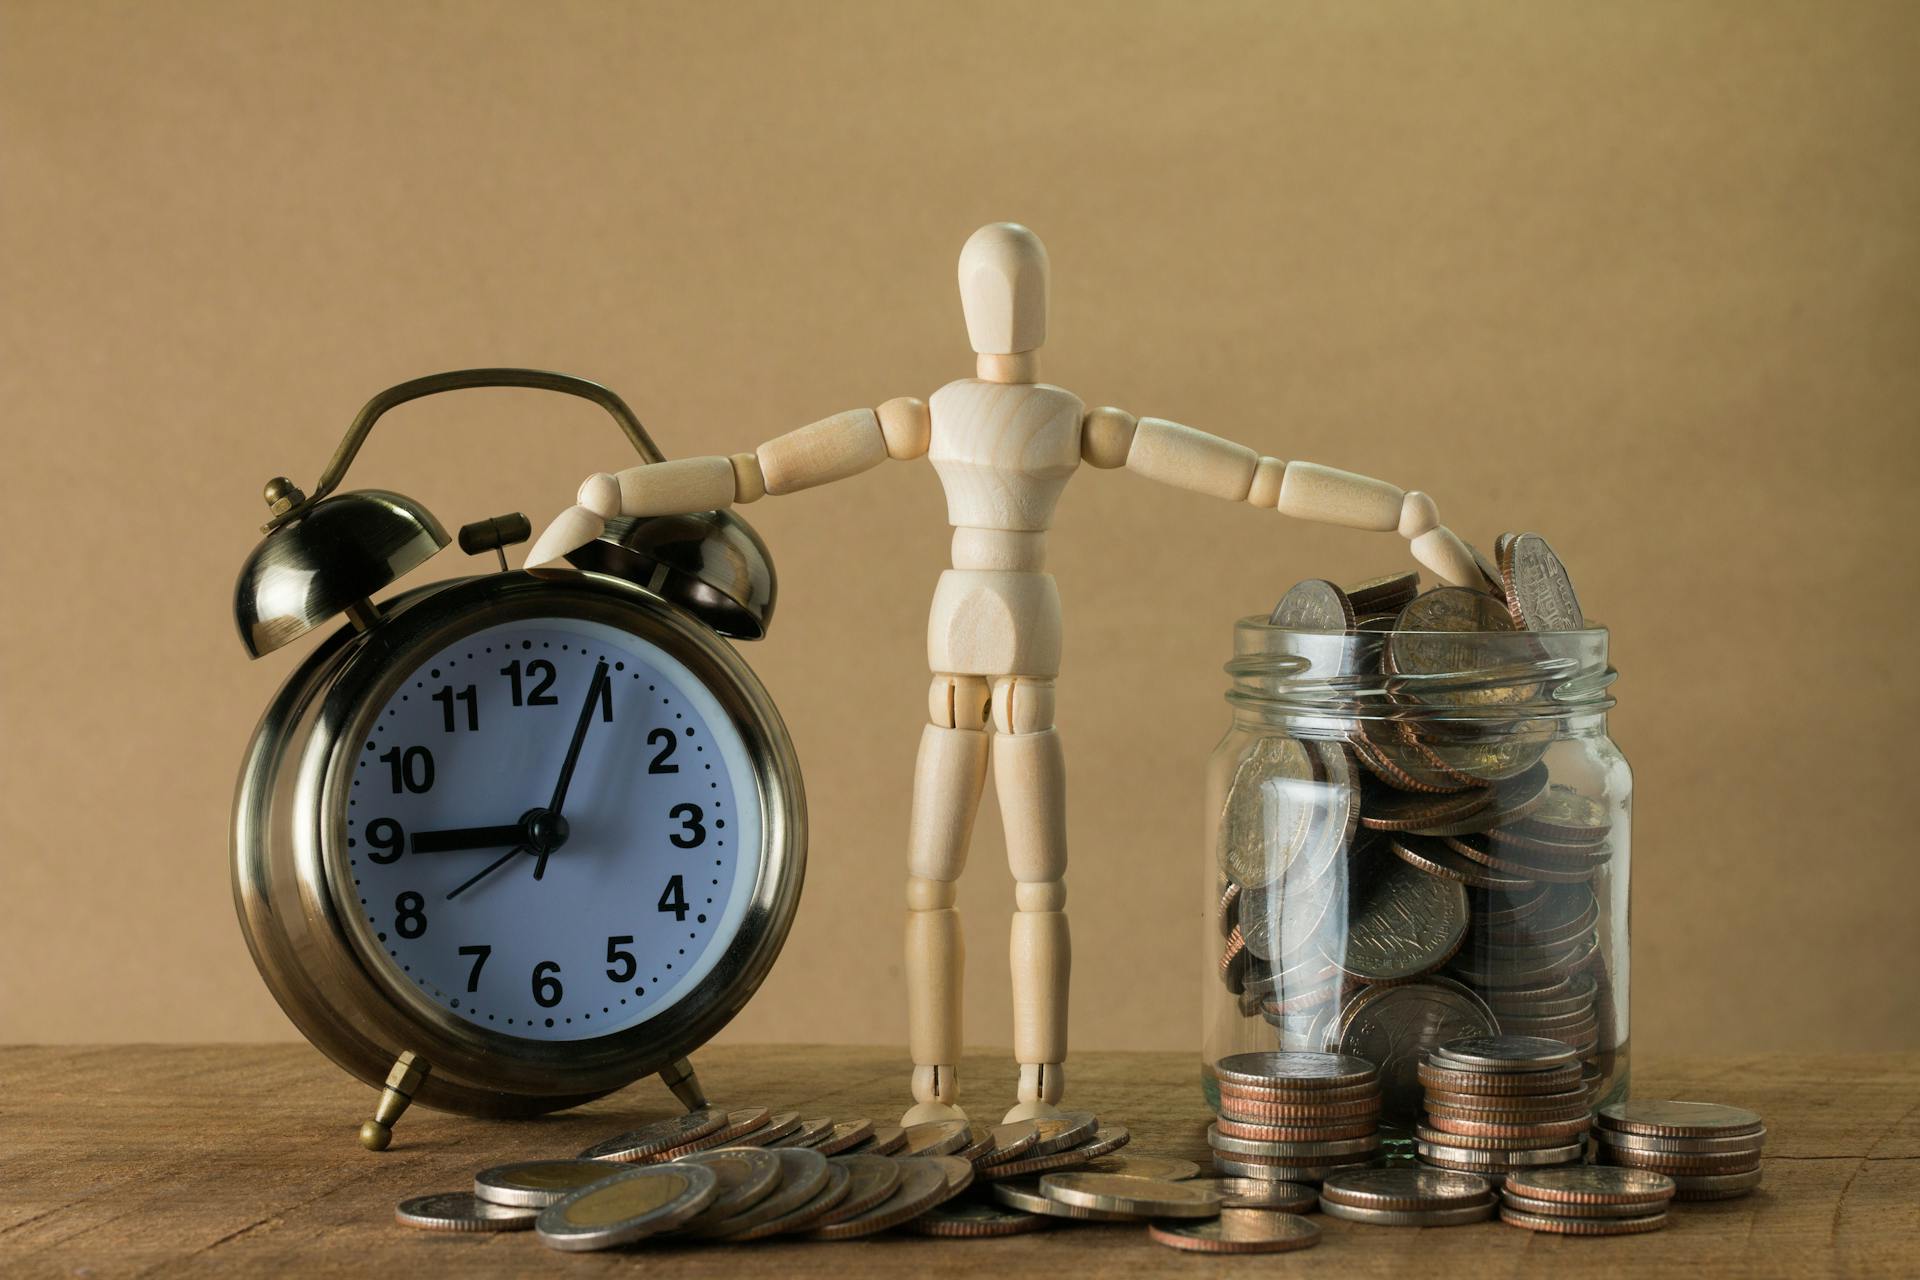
(691, 834)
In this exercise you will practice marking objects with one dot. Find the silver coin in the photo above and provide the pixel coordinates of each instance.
(1238, 1231)
(747, 1176)
(1122, 1193)
(807, 1214)
(1058, 1133)
(1452, 1217)
(1272, 812)
(1565, 1209)
(1502, 1158)
(1165, 1168)
(1714, 1186)
(1313, 605)
(973, 1220)
(538, 1183)
(1251, 1167)
(628, 1206)
(1539, 593)
(872, 1179)
(1326, 1149)
(1025, 1195)
(1261, 1193)
(1406, 1188)
(1678, 1119)
(810, 1133)
(937, 1138)
(803, 1174)
(1295, 1070)
(1401, 921)
(924, 1183)
(1299, 913)
(1593, 1184)
(777, 1125)
(1502, 1053)
(846, 1135)
(1012, 1139)
(1739, 1144)
(660, 1136)
(464, 1212)
(1396, 1026)
(885, 1140)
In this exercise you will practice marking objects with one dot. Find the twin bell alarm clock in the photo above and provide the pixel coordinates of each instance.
(504, 843)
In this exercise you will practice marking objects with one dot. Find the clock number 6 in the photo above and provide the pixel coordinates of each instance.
(691, 834)
(546, 984)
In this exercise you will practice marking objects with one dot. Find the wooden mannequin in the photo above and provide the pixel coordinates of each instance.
(1004, 445)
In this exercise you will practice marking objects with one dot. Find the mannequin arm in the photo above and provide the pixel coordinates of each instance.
(1192, 459)
(831, 449)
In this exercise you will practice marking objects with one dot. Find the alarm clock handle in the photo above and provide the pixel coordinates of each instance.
(460, 380)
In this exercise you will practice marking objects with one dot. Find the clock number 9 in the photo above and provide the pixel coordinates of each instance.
(546, 984)
(386, 841)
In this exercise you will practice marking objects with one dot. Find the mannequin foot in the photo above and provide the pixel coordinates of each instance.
(927, 1112)
(1035, 1110)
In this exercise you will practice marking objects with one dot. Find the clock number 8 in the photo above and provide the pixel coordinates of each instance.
(410, 916)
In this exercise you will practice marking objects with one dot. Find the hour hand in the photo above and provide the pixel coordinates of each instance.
(456, 838)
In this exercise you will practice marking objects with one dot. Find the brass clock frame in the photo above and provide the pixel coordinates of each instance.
(289, 893)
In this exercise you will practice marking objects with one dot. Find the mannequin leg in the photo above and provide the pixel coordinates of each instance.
(1029, 775)
(947, 781)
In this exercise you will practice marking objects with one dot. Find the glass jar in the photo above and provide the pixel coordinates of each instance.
(1393, 861)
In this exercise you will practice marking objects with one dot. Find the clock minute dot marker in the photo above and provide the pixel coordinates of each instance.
(701, 919)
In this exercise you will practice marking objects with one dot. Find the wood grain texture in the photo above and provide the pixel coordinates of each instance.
(227, 1160)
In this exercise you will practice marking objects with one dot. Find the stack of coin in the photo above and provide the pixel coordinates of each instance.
(1293, 1116)
(1711, 1152)
(1407, 1197)
(1586, 1201)
(1498, 1104)
(1411, 869)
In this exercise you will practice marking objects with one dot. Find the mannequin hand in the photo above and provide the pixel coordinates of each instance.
(578, 525)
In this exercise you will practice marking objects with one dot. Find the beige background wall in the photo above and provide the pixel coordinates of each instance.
(1642, 276)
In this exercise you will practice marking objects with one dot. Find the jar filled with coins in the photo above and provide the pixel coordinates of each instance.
(1418, 828)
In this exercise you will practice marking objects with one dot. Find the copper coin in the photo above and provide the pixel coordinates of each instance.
(1297, 1115)
(1454, 1216)
(1476, 1159)
(1667, 1162)
(1281, 1091)
(1254, 1167)
(1315, 1071)
(1561, 1209)
(1744, 1142)
(1432, 855)
(1482, 1129)
(1292, 1133)
(1393, 810)
(1579, 1111)
(1593, 1184)
(1494, 1084)
(1405, 1188)
(1388, 594)
(1583, 1226)
(1679, 1119)
(1406, 769)
(1502, 1146)
(1239, 1231)
(1264, 1193)
(1229, 910)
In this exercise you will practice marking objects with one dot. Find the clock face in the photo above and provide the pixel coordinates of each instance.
(552, 830)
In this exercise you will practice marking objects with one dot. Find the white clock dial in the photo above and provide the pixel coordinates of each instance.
(528, 922)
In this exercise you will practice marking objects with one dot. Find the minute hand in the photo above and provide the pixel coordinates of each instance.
(579, 737)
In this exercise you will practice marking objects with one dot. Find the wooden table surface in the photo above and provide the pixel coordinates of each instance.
(164, 1160)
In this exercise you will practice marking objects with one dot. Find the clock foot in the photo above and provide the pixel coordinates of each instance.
(680, 1078)
(408, 1071)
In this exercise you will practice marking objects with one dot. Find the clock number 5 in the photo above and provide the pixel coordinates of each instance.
(621, 965)
(691, 834)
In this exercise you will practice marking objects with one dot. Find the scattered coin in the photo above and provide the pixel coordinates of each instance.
(747, 1176)
(628, 1206)
(1313, 605)
(1539, 594)
(1058, 1133)
(660, 1136)
(775, 1128)
(1162, 1167)
(734, 1126)
(1710, 1186)
(1025, 1195)
(973, 1219)
(807, 1214)
(885, 1140)
(1679, 1119)
(1122, 1193)
(1262, 1193)
(810, 1133)
(937, 1138)
(1015, 1138)
(537, 1183)
(923, 1184)
(803, 1175)
(1239, 1231)
(462, 1211)
(846, 1135)
(871, 1179)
